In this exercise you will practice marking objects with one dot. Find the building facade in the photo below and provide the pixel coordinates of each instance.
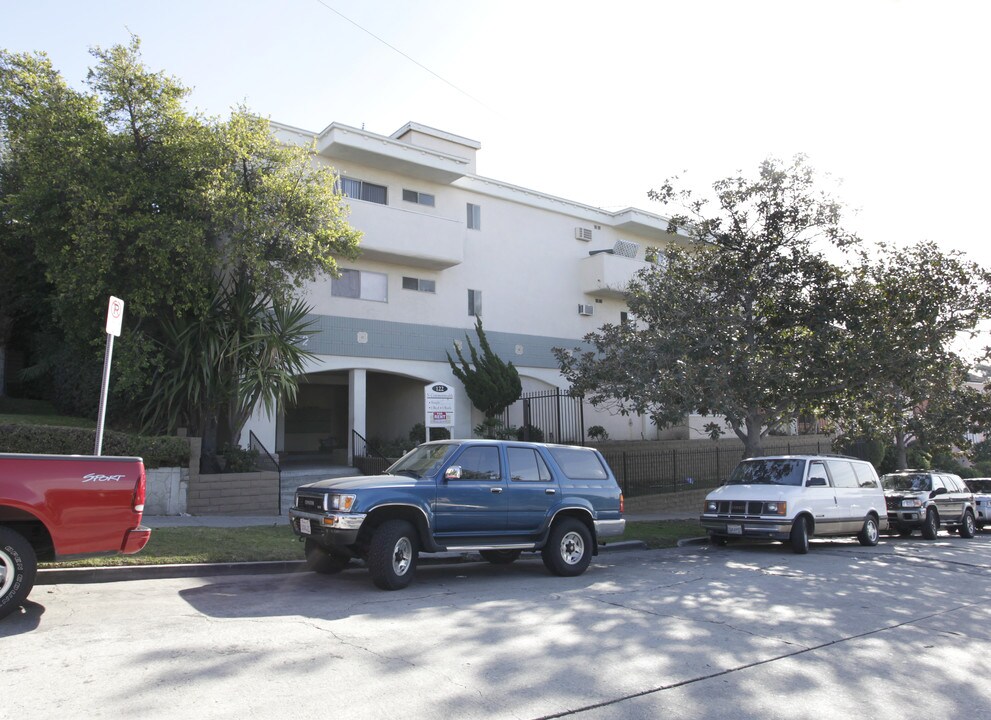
(442, 245)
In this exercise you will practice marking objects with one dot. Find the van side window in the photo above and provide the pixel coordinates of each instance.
(843, 474)
(865, 477)
(817, 470)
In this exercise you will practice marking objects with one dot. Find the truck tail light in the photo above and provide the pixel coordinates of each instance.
(622, 504)
(138, 501)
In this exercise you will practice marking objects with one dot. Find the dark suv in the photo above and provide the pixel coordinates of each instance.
(927, 500)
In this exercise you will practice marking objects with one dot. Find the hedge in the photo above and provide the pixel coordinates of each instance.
(49, 439)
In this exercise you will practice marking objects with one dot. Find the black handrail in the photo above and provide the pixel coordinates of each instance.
(255, 444)
(356, 438)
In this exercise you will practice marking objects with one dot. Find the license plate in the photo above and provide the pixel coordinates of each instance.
(734, 529)
(304, 526)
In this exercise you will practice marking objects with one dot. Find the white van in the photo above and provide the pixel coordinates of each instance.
(795, 497)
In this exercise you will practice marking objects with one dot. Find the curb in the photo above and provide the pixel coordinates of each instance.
(119, 573)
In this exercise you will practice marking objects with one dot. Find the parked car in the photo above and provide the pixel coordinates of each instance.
(794, 498)
(499, 498)
(981, 487)
(927, 500)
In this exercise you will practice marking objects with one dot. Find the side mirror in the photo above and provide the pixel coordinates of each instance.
(938, 491)
(816, 482)
(453, 473)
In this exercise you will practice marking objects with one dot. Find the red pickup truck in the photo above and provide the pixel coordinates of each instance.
(54, 507)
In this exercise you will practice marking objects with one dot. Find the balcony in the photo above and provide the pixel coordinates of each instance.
(408, 237)
(607, 275)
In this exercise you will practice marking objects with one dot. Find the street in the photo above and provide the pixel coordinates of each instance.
(902, 630)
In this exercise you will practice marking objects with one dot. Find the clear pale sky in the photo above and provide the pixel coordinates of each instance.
(600, 101)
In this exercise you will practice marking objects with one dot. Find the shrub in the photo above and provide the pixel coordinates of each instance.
(531, 433)
(418, 433)
(597, 432)
(50, 439)
(239, 460)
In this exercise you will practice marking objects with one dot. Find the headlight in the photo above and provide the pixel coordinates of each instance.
(711, 506)
(344, 503)
(775, 508)
(911, 503)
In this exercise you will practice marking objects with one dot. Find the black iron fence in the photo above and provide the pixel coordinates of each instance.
(669, 470)
(548, 416)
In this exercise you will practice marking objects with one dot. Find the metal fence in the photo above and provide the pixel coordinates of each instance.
(548, 416)
(669, 470)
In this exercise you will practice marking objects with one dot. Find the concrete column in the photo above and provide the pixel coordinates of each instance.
(357, 405)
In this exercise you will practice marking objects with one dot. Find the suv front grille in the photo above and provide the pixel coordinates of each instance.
(309, 503)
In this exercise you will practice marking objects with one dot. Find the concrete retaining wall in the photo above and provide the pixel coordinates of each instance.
(255, 493)
(166, 489)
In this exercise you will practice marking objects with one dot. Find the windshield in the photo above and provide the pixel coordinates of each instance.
(423, 460)
(912, 482)
(979, 485)
(768, 472)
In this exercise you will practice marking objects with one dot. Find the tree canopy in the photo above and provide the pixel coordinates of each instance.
(744, 324)
(119, 190)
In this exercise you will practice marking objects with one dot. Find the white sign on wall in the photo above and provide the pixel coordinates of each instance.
(439, 405)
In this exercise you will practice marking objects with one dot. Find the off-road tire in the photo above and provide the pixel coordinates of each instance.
(930, 526)
(392, 555)
(568, 551)
(18, 568)
(968, 528)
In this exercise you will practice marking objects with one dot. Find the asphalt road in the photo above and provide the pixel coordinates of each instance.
(902, 630)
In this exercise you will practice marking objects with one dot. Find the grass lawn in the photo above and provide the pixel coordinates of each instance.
(171, 546)
(17, 411)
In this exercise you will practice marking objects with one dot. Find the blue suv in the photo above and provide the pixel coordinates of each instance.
(499, 498)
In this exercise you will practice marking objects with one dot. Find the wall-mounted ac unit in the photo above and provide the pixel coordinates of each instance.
(583, 233)
(584, 309)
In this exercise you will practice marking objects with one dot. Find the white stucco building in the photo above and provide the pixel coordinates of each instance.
(441, 244)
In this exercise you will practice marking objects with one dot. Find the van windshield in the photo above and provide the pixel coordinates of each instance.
(771, 471)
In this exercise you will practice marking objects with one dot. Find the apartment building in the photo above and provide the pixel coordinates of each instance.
(442, 245)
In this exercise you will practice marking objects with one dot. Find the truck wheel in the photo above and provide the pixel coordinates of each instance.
(500, 557)
(800, 536)
(968, 528)
(321, 560)
(18, 566)
(869, 534)
(392, 555)
(568, 551)
(931, 525)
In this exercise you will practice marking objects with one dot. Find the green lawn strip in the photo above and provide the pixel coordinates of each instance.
(174, 546)
(56, 420)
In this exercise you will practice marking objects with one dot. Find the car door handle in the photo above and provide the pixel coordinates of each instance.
(549, 491)
(495, 490)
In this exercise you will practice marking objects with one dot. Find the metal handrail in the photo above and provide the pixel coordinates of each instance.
(357, 437)
(255, 444)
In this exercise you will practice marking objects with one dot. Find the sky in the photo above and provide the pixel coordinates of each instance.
(599, 102)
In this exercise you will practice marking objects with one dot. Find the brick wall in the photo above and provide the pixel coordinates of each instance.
(255, 493)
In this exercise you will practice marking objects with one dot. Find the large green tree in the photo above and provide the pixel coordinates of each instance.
(117, 189)
(907, 308)
(744, 324)
(491, 384)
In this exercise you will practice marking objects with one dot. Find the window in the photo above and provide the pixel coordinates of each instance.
(843, 474)
(475, 303)
(361, 285)
(579, 464)
(526, 465)
(418, 197)
(479, 463)
(865, 475)
(412, 283)
(474, 217)
(624, 317)
(361, 190)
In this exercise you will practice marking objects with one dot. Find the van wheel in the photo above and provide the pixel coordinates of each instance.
(969, 528)
(931, 524)
(869, 535)
(800, 536)
(392, 555)
(568, 551)
(18, 566)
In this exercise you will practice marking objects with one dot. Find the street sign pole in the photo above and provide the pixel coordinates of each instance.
(115, 316)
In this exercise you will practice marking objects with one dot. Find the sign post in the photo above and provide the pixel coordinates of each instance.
(439, 406)
(115, 316)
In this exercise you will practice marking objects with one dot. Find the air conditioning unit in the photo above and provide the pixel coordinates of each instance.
(583, 233)
(584, 309)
